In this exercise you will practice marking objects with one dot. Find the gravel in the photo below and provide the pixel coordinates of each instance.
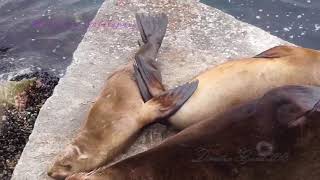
(17, 126)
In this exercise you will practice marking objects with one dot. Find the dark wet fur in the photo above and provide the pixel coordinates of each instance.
(226, 148)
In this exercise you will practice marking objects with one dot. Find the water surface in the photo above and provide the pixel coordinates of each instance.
(42, 34)
(297, 21)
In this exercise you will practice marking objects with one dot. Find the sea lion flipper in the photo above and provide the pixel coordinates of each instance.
(152, 27)
(141, 84)
(169, 102)
(148, 79)
(275, 52)
(152, 30)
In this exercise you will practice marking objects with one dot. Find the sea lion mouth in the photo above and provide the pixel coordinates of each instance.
(58, 176)
(78, 176)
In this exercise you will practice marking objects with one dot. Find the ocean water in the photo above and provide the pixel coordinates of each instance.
(44, 34)
(297, 21)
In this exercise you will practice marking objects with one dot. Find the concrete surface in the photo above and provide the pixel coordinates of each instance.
(198, 37)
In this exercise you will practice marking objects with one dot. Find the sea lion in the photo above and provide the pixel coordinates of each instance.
(239, 81)
(257, 134)
(120, 112)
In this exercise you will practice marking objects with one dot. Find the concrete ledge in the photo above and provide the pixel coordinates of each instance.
(198, 37)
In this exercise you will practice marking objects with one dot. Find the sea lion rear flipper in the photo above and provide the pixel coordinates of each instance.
(152, 30)
(148, 79)
(167, 103)
(141, 84)
(275, 52)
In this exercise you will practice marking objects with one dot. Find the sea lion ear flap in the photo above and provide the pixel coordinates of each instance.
(275, 52)
(167, 103)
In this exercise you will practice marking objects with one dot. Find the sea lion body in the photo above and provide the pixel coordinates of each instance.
(252, 136)
(239, 81)
(120, 112)
(99, 139)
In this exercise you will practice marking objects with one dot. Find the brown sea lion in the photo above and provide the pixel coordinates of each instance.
(255, 135)
(120, 112)
(240, 81)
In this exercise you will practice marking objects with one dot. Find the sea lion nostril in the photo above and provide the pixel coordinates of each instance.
(49, 173)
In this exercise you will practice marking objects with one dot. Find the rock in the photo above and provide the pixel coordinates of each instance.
(198, 37)
(16, 126)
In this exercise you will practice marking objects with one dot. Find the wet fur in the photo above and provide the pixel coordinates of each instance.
(213, 149)
(120, 112)
(240, 81)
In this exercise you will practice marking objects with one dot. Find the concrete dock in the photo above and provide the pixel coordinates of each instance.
(198, 37)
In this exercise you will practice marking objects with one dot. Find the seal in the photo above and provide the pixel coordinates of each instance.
(120, 112)
(257, 134)
(239, 81)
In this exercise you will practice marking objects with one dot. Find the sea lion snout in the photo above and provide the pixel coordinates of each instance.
(79, 176)
(69, 161)
(57, 176)
(58, 173)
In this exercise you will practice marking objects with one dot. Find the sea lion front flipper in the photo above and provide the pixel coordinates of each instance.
(167, 103)
(275, 52)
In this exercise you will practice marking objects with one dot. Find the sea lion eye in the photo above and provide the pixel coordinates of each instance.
(264, 148)
(288, 112)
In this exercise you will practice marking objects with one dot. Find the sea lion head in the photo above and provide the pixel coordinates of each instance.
(69, 161)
